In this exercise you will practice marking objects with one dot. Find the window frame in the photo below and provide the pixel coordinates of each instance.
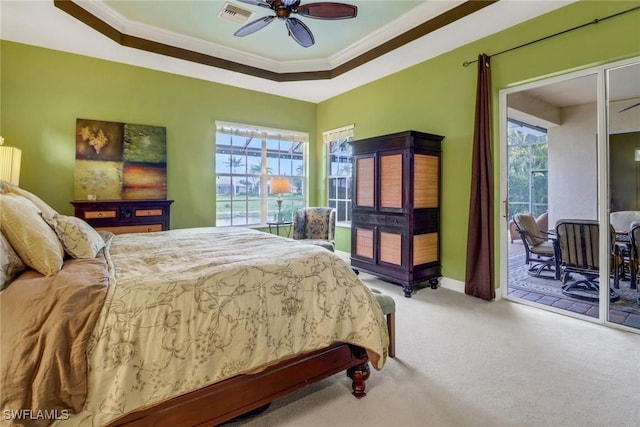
(282, 153)
(343, 204)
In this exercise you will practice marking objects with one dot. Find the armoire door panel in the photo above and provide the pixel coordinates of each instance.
(390, 248)
(391, 183)
(365, 185)
(364, 243)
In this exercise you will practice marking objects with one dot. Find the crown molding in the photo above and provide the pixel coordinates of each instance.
(113, 25)
(422, 13)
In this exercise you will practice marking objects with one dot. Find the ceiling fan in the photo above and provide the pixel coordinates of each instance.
(297, 29)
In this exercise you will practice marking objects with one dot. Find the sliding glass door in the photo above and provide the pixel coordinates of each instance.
(623, 129)
(571, 164)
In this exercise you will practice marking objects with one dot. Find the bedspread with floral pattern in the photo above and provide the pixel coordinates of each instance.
(188, 308)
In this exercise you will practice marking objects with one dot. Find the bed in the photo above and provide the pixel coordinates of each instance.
(182, 327)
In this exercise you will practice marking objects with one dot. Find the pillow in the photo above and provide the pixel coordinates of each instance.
(32, 239)
(106, 235)
(6, 187)
(10, 263)
(78, 238)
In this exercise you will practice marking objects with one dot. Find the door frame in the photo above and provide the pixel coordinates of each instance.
(603, 195)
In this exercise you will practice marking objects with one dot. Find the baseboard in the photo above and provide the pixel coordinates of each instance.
(452, 284)
(445, 282)
(458, 286)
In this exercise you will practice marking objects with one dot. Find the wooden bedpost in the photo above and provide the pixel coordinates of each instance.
(359, 373)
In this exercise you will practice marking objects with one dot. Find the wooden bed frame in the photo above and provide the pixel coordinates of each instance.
(223, 401)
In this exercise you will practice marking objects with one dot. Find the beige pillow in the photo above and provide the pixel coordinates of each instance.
(78, 238)
(42, 206)
(5, 186)
(33, 240)
(10, 263)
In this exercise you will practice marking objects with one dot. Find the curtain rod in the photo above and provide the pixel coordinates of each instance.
(595, 21)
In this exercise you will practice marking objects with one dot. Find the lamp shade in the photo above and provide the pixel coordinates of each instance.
(10, 164)
(280, 185)
(636, 154)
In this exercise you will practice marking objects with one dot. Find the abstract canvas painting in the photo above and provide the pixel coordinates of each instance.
(120, 161)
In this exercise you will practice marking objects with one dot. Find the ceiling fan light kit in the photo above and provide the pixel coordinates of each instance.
(298, 30)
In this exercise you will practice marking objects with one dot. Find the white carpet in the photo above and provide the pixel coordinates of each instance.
(462, 361)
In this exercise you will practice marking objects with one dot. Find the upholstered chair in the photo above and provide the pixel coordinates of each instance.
(315, 225)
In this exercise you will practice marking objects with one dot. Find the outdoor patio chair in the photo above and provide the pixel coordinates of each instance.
(541, 248)
(634, 259)
(623, 221)
(578, 241)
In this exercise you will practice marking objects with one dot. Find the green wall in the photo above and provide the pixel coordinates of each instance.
(45, 91)
(438, 96)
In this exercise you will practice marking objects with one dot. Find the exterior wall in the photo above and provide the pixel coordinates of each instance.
(573, 167)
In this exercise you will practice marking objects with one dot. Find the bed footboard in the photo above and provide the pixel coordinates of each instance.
(228, 399)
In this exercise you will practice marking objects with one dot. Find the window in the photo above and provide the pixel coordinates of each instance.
(339, 171)
(247, 158)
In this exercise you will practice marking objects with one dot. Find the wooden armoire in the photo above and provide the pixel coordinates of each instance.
(395, 229)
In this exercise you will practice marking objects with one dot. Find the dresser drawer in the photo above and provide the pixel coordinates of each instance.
(369, 218)
(125, 216)
(396, 221)
(99, 214)
(146, 228)
(389, 220)
(148, 212)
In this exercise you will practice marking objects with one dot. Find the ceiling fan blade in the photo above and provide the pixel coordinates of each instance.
(328, 10)
(630, 107)
(300, 32)
(257, 3)
(254, 26)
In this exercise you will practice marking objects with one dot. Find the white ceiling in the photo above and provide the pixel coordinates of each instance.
(194, 25)
(624, 84)
(376, 22)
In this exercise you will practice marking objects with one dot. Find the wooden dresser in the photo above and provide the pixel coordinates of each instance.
(125, 216)
(396, 208)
